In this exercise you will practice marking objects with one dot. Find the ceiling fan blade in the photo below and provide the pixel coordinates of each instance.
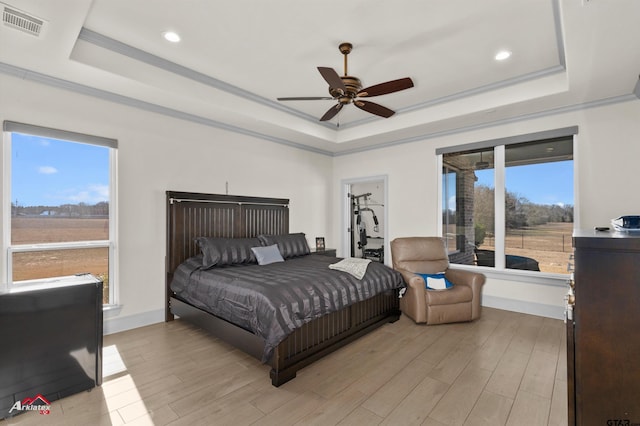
(374, 108)
(332, 112)
(331, 76)
(388, 87)
(307, 98)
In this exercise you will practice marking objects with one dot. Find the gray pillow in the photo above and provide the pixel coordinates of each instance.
(267, 255)
(226, 251)
(290, 245)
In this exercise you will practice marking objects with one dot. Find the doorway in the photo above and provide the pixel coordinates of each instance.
(365, 217)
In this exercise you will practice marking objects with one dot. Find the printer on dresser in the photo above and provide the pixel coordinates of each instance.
(603, 329)
(51, 342)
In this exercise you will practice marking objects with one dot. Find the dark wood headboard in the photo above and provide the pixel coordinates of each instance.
(191, 215)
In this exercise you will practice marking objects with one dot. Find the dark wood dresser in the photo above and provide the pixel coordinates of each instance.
(51, 341)
(603, 330)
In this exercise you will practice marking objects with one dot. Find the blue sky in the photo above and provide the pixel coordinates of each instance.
(51, 172)
(545, 183)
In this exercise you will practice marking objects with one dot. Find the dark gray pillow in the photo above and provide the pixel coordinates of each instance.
(227, 251)
(267, 255)
(290, 245)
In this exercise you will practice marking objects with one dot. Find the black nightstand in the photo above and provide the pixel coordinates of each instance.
(326, 252)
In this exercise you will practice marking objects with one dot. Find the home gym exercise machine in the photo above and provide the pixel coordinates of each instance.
(358, 225)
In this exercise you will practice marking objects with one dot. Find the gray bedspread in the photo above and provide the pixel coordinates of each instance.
(273, 300)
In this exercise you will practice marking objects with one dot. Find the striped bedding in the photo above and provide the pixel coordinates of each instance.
(273, 300)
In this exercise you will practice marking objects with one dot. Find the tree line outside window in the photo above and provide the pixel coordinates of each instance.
(522, 190)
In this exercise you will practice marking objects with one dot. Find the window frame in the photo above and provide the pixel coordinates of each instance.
(6, 264)
(450, 171)
(499, 271)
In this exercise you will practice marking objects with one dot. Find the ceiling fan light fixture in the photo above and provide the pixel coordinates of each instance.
(347, 89)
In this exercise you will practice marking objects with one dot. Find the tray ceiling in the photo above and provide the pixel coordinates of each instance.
(235, 58)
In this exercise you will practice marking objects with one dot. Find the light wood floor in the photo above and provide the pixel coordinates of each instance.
(504, 369)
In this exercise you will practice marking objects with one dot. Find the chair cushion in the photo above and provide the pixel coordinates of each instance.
(456, 294)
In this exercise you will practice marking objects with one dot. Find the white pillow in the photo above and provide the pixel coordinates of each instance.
(352, 265)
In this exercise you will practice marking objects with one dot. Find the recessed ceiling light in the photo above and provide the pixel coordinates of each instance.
(171, 36)
(502, 55)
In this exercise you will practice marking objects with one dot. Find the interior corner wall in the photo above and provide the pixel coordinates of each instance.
(157, 153)
(606, 168)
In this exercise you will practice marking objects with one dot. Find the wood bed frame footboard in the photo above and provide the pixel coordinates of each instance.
(306, 344)
(326, 334)
(191, 215)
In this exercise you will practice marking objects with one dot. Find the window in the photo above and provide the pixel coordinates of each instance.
(508, 204)
(59, 209)
(467, 203)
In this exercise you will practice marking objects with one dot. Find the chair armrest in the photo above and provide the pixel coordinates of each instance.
(463, 277)
(414, 303)
(474, 280)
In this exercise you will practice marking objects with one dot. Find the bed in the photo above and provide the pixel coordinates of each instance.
(299, 338)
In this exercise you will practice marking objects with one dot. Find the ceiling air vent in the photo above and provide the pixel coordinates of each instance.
(22, 21)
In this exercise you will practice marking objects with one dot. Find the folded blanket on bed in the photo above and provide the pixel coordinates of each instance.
(352, 265)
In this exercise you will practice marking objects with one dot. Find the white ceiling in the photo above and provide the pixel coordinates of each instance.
(236, 57)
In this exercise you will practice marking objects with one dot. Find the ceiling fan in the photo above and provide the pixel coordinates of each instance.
(347, 89)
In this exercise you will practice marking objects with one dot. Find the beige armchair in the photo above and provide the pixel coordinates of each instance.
(428, 255)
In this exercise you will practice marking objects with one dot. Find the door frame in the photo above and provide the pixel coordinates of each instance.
(345, 234)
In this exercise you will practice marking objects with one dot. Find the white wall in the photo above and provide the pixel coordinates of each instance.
(157, 153)
(606, 162)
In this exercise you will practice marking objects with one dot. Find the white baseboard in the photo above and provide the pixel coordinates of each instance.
(532, 308)
(117, 324)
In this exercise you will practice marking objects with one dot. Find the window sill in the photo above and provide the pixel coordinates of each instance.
(531, 277)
